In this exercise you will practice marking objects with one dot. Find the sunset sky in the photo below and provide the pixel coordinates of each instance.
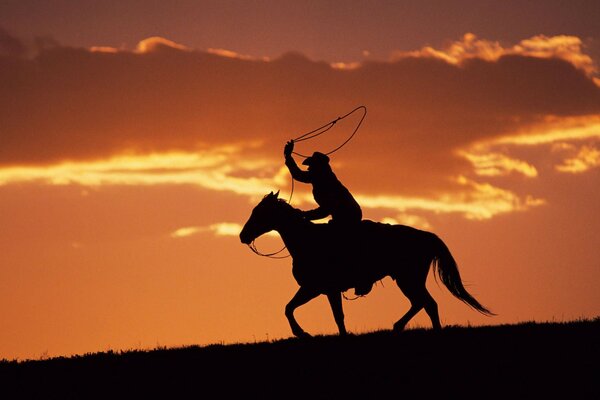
(137, 136)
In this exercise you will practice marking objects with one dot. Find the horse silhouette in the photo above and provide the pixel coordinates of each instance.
(329, 260)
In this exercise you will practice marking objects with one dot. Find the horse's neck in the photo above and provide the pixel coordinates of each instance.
(292, 229)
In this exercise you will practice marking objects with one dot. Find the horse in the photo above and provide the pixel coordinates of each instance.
(330, 260)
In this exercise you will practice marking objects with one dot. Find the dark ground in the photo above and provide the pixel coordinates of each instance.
(528, 360)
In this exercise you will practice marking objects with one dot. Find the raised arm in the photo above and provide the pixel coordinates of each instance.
(297, 173)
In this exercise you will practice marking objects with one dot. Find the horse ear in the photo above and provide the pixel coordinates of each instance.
(276, 194)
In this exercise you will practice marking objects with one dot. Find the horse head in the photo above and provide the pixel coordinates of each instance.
(262, 219)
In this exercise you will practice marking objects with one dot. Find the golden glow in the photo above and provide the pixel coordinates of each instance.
(216, 170)
(477, 201)
(224, 168)
(469, 47)
(496, 164)
(556, 130)
(562, 134)
(186, 231)
(212, 169)
(152, 43)
(103, 49)
(226, 229)
(587, 158)
(568, 48)
(233, 54)
(345, 66)
(219, 229)
(408, 219)
(473, 200)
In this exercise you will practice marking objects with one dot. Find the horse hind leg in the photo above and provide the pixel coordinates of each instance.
(412, 284)
(431, 308)
(419, 300)
(415, 307)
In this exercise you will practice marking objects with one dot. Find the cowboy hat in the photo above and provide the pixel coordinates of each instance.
(316, 159)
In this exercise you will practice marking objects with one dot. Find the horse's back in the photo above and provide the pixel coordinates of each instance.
(369, 235)
(378, 245)
(377, 233)
(339, 255)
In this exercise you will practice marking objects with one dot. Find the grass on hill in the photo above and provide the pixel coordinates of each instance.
(526, 360)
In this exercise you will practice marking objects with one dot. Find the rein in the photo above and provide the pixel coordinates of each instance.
(252, 247)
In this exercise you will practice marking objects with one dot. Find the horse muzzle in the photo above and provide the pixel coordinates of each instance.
(245, 238)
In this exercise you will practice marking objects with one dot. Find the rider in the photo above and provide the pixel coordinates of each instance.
(330, 194)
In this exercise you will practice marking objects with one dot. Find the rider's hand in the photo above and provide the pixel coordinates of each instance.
(289, 147)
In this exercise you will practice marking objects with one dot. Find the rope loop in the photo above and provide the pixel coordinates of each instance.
(322, 129)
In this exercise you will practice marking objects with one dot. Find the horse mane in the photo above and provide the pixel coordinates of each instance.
(296, 212)
(280, 203)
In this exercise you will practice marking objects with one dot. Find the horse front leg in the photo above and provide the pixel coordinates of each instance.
(302, 296)
(335, 301)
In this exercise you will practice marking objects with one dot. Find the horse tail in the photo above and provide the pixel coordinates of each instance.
(445, 267)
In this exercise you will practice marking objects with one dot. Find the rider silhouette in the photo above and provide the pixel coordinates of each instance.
(332, 197)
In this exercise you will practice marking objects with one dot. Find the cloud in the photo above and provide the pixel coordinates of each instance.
(103, 49)
(346, 65)
(157, 43)
(442, 124)
(233, 54)
(573, 140)
(217, 170)
(186, 231)
(487, 163)
(568, 48)
(68, 103)
(214, 169)
(553, 130)
(477, 201)
(587, 158)
(218, 229)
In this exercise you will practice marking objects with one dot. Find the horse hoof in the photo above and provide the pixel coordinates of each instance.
(302, 335)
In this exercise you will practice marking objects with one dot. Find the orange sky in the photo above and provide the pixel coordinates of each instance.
(128, 167)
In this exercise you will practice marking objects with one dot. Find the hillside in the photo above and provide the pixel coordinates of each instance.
(509, 361)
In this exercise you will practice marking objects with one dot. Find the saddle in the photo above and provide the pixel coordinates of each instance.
(346, 237)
